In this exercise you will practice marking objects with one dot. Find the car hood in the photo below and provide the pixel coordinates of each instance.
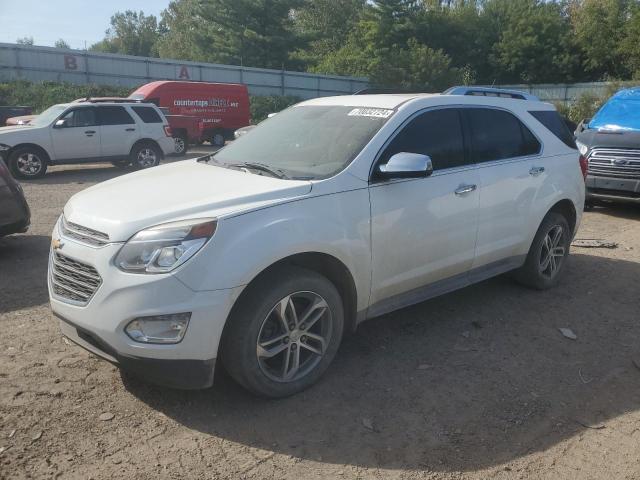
(189, 189)
(610, 138)
(11, 134)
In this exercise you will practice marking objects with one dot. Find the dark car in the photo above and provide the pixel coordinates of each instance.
(15, 216)
(610, 142)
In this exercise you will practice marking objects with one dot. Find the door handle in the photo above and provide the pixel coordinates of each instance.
(535, 171)
(464, 189)
(131, 129)
(89, 132)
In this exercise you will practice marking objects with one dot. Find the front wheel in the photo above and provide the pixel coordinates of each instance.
(27, 163)
(284, 334)
(145, 155)
(181, 144)
(548, 254)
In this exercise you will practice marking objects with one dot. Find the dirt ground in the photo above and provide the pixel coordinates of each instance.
(476, 384)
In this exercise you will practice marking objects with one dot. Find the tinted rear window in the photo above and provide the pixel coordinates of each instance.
(114, 116)
(498, 135)
(554, 123)
(147, 114)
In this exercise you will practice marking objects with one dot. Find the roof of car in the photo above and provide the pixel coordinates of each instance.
(392, 101)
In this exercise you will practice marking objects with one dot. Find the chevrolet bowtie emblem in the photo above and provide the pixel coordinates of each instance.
(56, 244)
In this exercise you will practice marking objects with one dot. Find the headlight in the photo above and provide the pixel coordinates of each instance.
(165, 247)
(582, 148)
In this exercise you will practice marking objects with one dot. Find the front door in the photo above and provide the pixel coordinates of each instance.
(424, 229)
(76, 135)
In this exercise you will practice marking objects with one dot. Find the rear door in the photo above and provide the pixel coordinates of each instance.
(79, 137)
(510, 171)
(424, 229)
(118, 130)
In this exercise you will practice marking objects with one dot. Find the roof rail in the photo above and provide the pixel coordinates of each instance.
(107, 100)
(491, 92)
(383, 91)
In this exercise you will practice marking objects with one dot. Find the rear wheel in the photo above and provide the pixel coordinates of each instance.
(547, 256)
(145, 155)
(284, 334)
(28, 162)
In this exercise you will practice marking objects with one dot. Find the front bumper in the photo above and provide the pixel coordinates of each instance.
(122, 297)
(612, 189)
(183, 374)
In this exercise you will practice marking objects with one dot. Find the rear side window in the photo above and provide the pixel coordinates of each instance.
(147, 114)
(114, 116)
(437, 133)
(556, 125)
(498, 135)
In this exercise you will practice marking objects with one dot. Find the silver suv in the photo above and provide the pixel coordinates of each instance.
(87, 131)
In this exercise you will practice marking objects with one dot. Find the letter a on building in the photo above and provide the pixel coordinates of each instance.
(184, 73)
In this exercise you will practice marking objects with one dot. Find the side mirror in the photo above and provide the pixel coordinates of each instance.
(60, 124)
(406, 165)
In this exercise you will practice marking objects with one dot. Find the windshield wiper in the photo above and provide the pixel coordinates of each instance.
(275, 172)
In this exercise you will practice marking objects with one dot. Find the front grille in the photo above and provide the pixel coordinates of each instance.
(614, 162)
(83, 234)
(73, 280)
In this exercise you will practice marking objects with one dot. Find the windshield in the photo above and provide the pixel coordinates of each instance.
(310, 142)
(48, 116)
(622, 112)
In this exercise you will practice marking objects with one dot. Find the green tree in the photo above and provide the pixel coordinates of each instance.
(25, 41)
(131, 33)
(184, 34)
(599, 28)
(534, 41)
(60, 43)
(324, 26)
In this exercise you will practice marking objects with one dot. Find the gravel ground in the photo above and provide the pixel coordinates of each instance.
(476, 384)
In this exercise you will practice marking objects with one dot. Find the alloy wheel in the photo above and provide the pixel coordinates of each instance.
(146, 158)
(553, 252)
(294, 336)
(29, 164)
(179, 145)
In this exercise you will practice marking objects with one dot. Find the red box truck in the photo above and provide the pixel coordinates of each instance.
(216, 109)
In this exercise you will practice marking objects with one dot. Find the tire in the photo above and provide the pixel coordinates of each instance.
(217, 138)
(182, 144)
(145, 155)
(541, 270)
(28, 163)
(255, 333)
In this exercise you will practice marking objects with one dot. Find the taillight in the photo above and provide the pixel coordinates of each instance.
(584, 165)
(167, 131)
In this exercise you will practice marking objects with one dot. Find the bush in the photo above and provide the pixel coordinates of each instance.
(42, 95)
(263, 106)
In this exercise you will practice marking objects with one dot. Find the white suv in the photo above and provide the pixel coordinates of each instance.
(87, 131)
(334, 211)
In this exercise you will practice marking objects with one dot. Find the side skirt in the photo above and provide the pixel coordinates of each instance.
(442, 287)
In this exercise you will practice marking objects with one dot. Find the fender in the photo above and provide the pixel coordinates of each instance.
(336, 224)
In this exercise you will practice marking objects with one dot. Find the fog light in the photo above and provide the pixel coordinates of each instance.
(159, 328)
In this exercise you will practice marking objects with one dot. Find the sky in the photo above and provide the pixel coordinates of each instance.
(79, 22)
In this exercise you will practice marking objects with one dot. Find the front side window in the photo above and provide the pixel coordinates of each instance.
(114, 116)
(498, 135)
(310, 142)
(437, 133)
(80, 117)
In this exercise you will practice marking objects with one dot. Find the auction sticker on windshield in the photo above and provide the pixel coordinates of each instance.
(371, 112)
